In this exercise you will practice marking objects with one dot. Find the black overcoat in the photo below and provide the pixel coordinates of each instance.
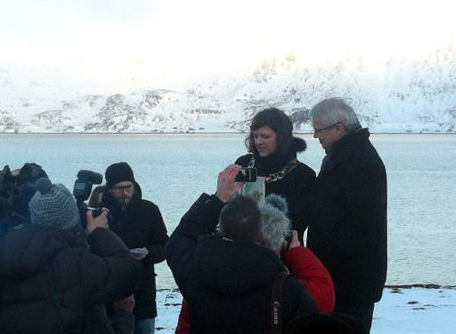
(49, 280)
(348, 229)
(140, 225)
(228, 284)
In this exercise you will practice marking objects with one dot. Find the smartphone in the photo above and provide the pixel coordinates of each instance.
(246, 174)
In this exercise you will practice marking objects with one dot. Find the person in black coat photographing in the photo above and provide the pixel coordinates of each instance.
(54, 276)
(273, 152)
(348, 227)
(226, 276)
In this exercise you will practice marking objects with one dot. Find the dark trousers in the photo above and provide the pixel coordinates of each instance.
(363, 312)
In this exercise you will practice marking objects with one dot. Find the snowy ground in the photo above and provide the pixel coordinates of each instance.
(402, 310)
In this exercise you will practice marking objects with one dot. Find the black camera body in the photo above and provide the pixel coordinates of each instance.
(246, 174)
(82, 190)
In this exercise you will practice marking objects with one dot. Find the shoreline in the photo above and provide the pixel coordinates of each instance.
(429, 286)
(208, 133)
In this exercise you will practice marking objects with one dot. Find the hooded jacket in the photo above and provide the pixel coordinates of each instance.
(228, 284)
(49, 280)
(139, 225)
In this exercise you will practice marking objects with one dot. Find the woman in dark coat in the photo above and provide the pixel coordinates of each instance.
(273, 151)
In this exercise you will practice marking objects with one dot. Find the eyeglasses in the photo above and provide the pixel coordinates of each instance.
(326, 128)
(119, 189)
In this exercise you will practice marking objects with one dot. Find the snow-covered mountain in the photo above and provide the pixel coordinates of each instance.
(397, 95)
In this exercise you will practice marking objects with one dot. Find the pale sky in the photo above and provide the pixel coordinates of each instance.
(167, 41)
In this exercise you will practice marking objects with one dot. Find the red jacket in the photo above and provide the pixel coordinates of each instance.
(305, 267)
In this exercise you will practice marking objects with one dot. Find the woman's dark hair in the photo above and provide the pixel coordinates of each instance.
(279, 122)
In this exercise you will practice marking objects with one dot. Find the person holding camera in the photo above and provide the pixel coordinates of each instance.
(273, 151)
(50, 280)
(300, 261)
(227, 277)
(140, 225)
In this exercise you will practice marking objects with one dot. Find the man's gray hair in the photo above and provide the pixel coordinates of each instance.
(336, 110)
(275, 224)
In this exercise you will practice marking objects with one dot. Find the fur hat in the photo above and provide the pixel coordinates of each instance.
(275, 223)
(54, 205)
(119, 172)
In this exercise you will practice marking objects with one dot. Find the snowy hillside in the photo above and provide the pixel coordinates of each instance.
(397, 95)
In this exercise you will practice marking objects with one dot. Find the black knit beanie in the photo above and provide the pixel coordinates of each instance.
(119, 172)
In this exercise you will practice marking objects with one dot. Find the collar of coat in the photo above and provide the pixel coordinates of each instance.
(343, 149)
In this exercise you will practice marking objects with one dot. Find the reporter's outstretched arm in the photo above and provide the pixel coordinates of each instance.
(201, 219)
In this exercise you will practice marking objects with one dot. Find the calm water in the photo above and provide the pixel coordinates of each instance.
(174, 169)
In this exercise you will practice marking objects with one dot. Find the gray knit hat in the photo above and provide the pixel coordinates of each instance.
(275, 223)
(54, 205)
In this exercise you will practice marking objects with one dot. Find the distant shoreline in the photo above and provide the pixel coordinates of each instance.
(393, 287)
(210, 133)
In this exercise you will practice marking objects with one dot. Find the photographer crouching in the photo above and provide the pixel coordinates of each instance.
(50, 282)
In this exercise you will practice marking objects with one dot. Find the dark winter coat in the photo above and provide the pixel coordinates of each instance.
(228, 284)
(347, 230)
(140, 225)
(296, 185)
(49, 281)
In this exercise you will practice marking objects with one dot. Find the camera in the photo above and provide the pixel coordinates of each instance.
(82, 190)
(246, 174)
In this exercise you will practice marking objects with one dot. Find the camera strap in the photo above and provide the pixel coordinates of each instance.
(277, 302)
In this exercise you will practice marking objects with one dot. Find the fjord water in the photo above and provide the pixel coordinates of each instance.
(174, 169)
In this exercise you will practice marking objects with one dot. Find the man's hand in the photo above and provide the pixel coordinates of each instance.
(226, 187)
(100, 221)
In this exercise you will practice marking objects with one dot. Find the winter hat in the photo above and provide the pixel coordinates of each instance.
(275, 223)
(277, 201)
(53, 205)
(119, 172)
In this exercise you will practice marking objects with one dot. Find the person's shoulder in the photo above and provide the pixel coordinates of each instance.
(244, 160)
(148, 205)
(302, 168)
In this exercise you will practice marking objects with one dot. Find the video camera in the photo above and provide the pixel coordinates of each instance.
(82, 190)
(16, 190)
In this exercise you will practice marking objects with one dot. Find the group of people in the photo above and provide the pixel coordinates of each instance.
(239, 261)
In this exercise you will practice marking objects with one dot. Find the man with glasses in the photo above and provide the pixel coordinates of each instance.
(347, 226)
(140, 225)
